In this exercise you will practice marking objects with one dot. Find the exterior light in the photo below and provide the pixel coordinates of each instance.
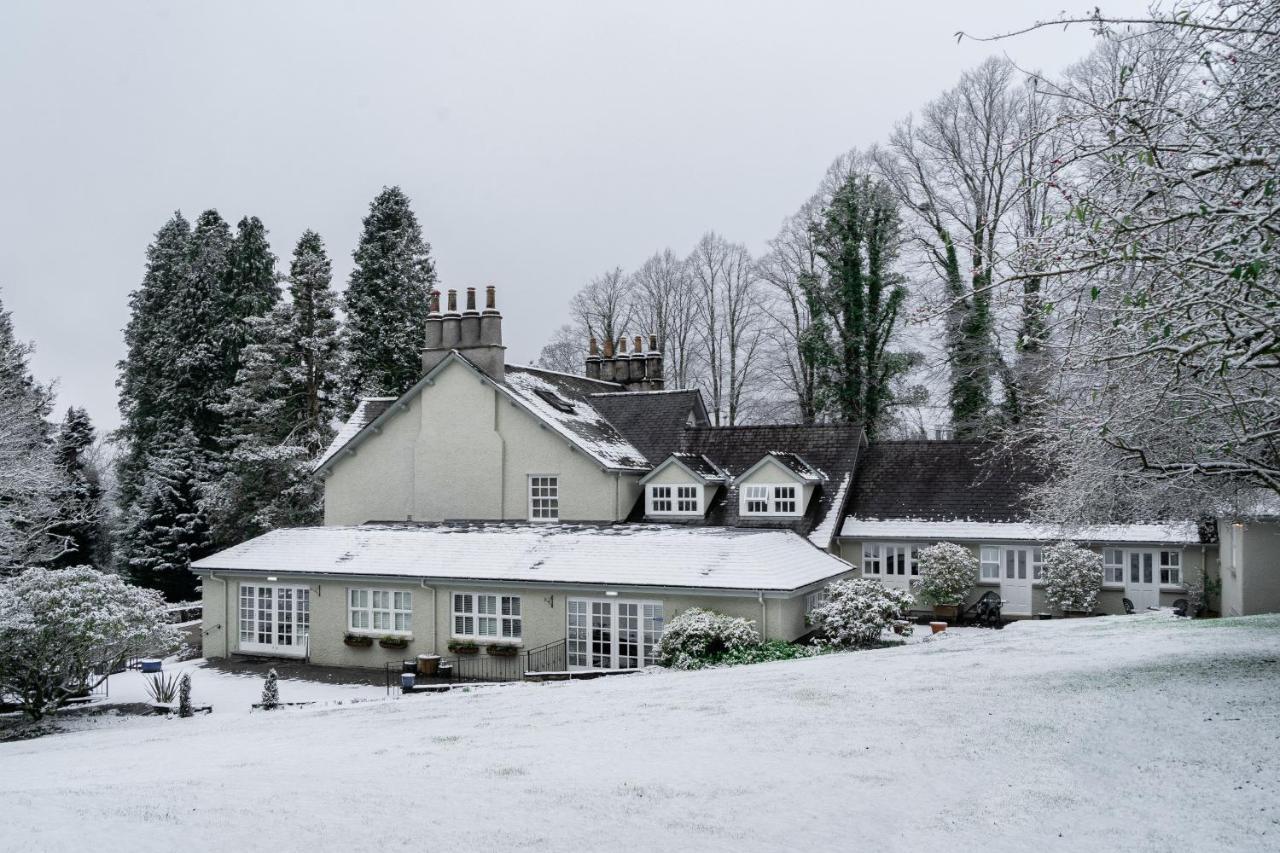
(611, 593)
(272, 578)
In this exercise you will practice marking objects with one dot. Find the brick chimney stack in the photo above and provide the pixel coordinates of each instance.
(635, 371)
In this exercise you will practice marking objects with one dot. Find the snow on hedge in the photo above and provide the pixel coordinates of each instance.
(1072, 577)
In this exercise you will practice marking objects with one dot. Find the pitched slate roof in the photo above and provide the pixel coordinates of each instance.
(652, 420)
(832, 450)
(648, 555)
(1172, 533)
(942, 480)
(567, 404)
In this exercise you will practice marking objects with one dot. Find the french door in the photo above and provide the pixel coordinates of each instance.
(1142, 579)
(610, 633)
(1016, 577)
(275, 619)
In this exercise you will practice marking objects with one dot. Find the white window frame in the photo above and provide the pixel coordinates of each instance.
(551, 511)
(379, 611)
(989, 561)
(1169, 562)
(588, 621)
(769, 495)
(876, 556)
(1113, 572)
(676, 496)
(274, 623)
(504, 614)
(814, 600)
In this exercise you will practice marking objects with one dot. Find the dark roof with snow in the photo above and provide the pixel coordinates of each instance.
(652, 420)
(942, 480)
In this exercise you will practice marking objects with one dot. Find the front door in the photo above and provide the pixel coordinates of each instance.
(275, 619)
(1015, 581)
(610, 633)
(1141, 581)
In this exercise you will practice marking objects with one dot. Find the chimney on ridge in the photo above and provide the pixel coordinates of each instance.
(637, 371)
(476, 336)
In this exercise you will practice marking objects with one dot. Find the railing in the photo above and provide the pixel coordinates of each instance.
(482, 667)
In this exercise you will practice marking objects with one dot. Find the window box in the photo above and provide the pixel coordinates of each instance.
(463, 648)
(356, 641)
(394, 642)
(503, 651)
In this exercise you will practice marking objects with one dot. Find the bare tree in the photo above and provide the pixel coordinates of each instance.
(664, 303)
(791, 259)
(729, 323)
(603, 307)
(566, 352)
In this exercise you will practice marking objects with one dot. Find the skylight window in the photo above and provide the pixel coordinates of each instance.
(557, 402)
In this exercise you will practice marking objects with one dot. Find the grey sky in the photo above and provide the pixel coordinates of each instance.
(541, 143)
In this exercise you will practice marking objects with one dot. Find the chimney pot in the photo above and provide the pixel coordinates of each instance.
(490, 298)
(653, 343)
(592, 347)
(435, 302)
(471, 300)
(608, 348)
(622, 345)
(453, 302)
(639, 345)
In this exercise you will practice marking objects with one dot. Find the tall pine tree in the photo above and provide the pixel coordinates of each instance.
(279, 413)
(83, 525)
(250, 289)
(386, 302)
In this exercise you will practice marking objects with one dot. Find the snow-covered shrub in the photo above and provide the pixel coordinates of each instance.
(695, 635)
(62, 631)
(1072, 576)
(271, 692)
(184, 695)
(857, 611)
(947, 572)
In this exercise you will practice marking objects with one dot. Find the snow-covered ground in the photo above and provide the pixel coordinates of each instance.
(1133, 733)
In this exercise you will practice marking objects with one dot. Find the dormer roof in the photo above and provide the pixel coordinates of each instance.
(792, 462)
(695, 464)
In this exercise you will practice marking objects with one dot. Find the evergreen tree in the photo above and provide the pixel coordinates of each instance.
(970, 349)
(250, 289)
(279, 413)
(271, 692)
(147, 371)
(386, 302)
(184, 696)
(167, 527)
(83, 528)
(857, 239)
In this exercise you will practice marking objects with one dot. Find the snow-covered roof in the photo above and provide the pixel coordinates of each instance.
(631, 555)
(367, 411)
(1174, 533)
(793, 462)
(821, 535)
(695, 463)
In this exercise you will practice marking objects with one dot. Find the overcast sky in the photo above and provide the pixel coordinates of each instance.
(541, 143)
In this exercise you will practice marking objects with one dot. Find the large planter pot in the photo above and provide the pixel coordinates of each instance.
(949, 613)
(428, 664)
(357, 642)
(393, 643)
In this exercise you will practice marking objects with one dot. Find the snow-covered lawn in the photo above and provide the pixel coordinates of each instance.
(1133, 733)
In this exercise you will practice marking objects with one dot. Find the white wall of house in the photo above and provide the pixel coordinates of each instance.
(1193, 560)
(1250, 567)
(543, 613)
(464, 450)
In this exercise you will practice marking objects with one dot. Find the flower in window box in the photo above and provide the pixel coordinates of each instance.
(464, 648)
(358, 641)
(391, 642)
(503, 651)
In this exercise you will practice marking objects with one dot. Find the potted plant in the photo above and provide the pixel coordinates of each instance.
(358, 641)
(947, 572)
(463, 647)
(1072, 578)
(393, 642)
(503, 651)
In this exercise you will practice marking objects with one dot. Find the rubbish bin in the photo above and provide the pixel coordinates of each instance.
(150, 664)
(407, 681)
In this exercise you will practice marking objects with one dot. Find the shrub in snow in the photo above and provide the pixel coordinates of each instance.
(270, 692)
(947, 572)
(184, 695)
(163, 688)
(1072, 576)
(62, 631)
(695, 635)
(857, 611)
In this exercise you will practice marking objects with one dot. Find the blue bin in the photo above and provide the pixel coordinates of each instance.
(407, 680)
(151, 664)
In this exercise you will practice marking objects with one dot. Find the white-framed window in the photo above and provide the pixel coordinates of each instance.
(544, 497)
(675, 500)
(814, 600)
(989, 563)
(770, 500)
(891, 559)
(1113, 566)
(386, 611)
(478, 615)
(1037, 563)
(612, 633)
(1171, 568)
(274, 618)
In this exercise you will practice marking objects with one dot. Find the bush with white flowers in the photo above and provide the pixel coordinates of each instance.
(947, 572)
(1072, 577)
(697, 634)
(857, 611)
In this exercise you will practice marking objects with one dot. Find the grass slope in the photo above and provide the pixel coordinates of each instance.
(1135, 733)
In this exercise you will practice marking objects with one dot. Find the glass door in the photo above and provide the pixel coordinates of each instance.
(274, 619)
(1015, 581)
(1141, 583)
(611, 633)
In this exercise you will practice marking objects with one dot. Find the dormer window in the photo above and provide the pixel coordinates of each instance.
(675, 500)
(761, 499)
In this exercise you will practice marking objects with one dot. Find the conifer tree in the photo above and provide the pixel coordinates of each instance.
(279, 413)
(167, 527)
(250, 289)
(196, 323)
(386, 302)
(271, 692)
(184, 696)
(83, 527)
